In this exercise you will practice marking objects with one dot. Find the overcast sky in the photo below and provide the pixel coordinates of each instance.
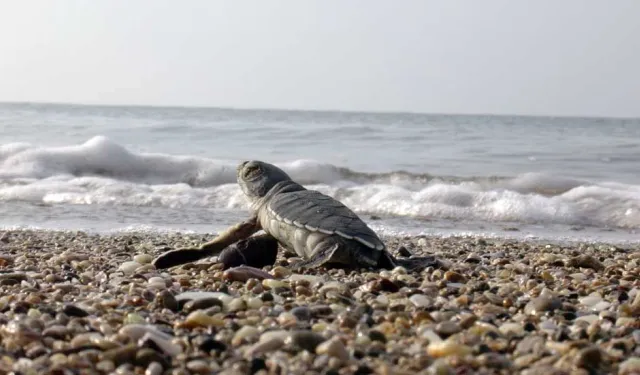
(569, 57)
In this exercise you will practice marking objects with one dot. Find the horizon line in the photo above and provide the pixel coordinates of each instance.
(348, 111)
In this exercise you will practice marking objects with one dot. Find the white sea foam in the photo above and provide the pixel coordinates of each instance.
(102, 172)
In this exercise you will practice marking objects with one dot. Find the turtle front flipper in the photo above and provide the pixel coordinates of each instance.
(230, 236)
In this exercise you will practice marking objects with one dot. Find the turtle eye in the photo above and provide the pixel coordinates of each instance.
(252, 171)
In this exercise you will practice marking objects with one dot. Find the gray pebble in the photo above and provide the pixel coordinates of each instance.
(301, 313)
(305, 340)
(542, 304)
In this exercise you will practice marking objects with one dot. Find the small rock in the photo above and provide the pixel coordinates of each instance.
(630, 366)
(334, 348)
(454, 277)
(590, 358)
(301, 313)
(154, 368)
(447, 348)
(420, 300)
(147, 356)
(585, 261)
(167, 300)
(447, 328)
(128, 268)
(305, 340)
(143, 258)
(244, 273)
(542, 304)
(201, 304)
(72, 310)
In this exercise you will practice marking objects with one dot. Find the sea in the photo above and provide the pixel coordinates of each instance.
(109, 169)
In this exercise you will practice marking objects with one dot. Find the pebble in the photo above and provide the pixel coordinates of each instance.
(447, 348)
(154, 368)
(301, 313)
(74, 302)
(334, 348)
(420, 300)
(143, 258)
(541, 305)
(305, 340)
(128, 268)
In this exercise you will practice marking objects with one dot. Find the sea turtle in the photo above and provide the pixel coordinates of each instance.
(318, 228)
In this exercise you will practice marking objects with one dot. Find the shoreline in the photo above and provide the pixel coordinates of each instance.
(70, 299)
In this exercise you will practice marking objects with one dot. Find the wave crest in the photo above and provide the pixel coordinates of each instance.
(103, 172)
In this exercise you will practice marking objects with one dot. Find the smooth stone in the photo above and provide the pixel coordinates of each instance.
(154, 368)
(334, 348)
(512, 328)
(201, 304)
(588, 318)
(129, 267)
(189, 296)
(420, 300)
(243, 333)
(590, 300)
(147, 356)
(199, 318)
(136, 331)
(589, 358)
(161, 342)
(143, 258)
(312, 279)
(585, 261)
(207, 343)
(631, 366)
(301, 313)
(73, 310)
(305, 340)
(447, 328)
(265, 346)
(244, 273)
(447, 348)
(167, 300)
(542, 304)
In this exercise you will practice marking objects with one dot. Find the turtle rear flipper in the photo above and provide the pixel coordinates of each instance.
(228, 237)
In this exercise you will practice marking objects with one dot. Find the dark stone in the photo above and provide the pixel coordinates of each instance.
(375, 335)
(301, 313)
(72, 310)
(208, 343)
(201, 304)
(257, 364)
(363, 370)
(145, 356)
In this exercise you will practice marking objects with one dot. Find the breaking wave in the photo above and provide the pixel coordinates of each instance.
(102, 172)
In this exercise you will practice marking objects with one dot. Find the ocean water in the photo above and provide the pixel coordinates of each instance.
(110, 168)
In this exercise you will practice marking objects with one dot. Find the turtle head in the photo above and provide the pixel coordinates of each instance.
(256, 178)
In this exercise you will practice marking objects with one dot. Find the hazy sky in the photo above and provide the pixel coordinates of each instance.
(569, 57)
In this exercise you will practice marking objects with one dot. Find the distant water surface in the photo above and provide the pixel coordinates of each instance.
(101, 168)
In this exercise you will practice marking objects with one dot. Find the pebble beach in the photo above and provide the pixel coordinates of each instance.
(79, 303)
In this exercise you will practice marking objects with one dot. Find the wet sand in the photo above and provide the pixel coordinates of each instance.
(78, 303)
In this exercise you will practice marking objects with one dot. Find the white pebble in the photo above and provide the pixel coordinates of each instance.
(513, 328)
(143, 258)
(129, 267)
(158, 339)
(243, 333)
(588, 318)
(420, 300)
(334, 348)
